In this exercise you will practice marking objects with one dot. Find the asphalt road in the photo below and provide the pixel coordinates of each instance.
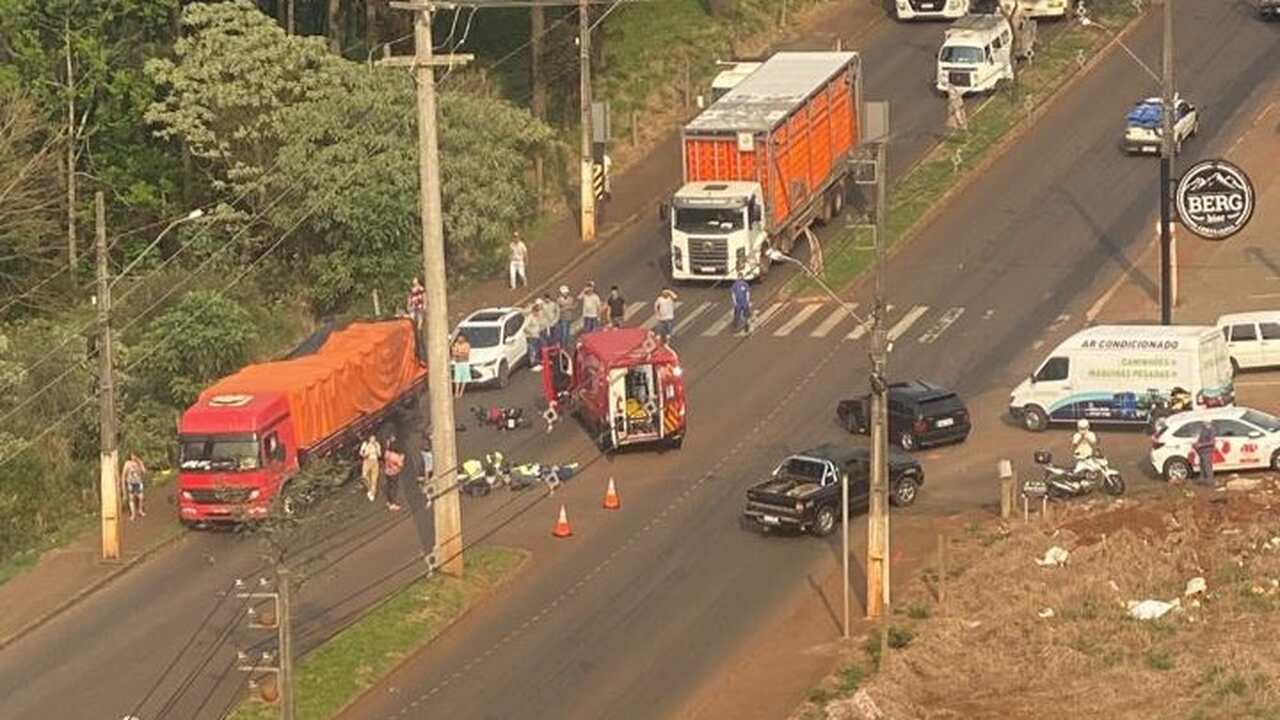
(629, 616)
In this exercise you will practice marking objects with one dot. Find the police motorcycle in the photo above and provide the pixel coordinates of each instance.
(1089, 474)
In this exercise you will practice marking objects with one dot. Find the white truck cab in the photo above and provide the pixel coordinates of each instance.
(728, 79)
(717, 230)
(976, 54)
(931, 9)
(1044, 8)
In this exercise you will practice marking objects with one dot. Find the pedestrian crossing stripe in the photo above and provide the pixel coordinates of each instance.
(904, 324)
(865, 326)
(796, 320)
(834, 319)
(680, 326)
(719, 325)
(939, 327)
(632, 309)
(760, 320)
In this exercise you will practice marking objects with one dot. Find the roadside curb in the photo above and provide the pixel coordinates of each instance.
(90, 589)
(996, 152)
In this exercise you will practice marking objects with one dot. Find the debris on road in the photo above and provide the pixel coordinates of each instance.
(1195, 586)
(1152, 609)
(1053, 557)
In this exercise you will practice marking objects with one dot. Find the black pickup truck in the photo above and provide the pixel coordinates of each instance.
(804, 492)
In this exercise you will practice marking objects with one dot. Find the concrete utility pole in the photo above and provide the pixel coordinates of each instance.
(878, 512)
(107, 453)
(281, 620)
(1166, 171)
(448, 511)
(587, 191)
(285, 640)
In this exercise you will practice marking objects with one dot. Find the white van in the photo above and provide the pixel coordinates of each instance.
(930, 9)
(1253, 338)
(976, 53)
(1118, 373)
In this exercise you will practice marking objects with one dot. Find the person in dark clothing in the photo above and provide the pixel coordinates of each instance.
(1203, 446)
(392, 466)
(741, 294)
(617, 307)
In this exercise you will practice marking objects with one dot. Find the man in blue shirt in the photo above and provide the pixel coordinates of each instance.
(741, 292)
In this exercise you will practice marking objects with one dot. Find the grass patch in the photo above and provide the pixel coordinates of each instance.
(1159, 660)
(925, 185)
(849, 678)
(335, 673)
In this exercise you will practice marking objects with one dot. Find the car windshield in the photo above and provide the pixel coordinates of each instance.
(1269, 423)
(963, 54)
(480, 336)
(802, 468)
(715, 221)
(219, 454)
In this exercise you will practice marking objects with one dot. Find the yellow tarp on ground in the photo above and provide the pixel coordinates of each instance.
(358, 371)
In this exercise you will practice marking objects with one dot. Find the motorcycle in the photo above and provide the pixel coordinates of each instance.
(1088, 475)
(502, 418)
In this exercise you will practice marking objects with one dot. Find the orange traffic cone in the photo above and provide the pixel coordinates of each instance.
(562, 529)
(611, 501)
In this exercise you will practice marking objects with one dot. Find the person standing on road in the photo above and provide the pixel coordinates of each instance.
(741, 293)
(370, 465)
(664, 308)
(1204, 447)
(590, 308)
(550, 321)
(617, 306)
(565, 305)
(461, 352)
(134, 475)
(417, 302)
(428, 459)
(533, 334)
(518, 256)
(392, 466)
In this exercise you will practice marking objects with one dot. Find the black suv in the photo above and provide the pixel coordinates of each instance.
(804, 492)
(1269, 9)
(920, 414)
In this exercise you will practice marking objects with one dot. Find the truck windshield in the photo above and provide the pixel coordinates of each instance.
(219, 454)
(962, 54)
(714, 221)
(480, 336)
(802, 468)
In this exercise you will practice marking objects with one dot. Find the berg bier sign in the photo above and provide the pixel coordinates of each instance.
(1215, 199)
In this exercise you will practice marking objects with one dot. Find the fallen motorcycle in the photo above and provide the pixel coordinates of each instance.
(1088, 475)
(502, 418)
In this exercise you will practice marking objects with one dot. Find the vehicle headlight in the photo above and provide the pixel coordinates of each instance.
(799, 506)
(254, 494)
(186, 495)
(677, 257)
(902, 5)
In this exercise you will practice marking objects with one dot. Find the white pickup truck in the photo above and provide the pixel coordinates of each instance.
(1143, 125)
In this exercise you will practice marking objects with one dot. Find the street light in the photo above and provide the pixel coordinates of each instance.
(1167, 96)
(193, 215)
(778, 256)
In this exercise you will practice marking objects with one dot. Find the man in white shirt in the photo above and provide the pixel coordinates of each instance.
(590, 308)
(665, 310)
(519, 255)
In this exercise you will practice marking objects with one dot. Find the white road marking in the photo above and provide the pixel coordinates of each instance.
(939, 327)
(718, 326)
(907, 321)
(831, 322)
(1265, 296)
(680, 326)
(797, 319)
(632, 309)
(1058, 322)
(865, 327)
(653, 320)
(759, 320)
(989, 314)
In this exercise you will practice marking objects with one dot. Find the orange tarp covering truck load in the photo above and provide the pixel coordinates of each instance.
(359, 370)
(764, 162)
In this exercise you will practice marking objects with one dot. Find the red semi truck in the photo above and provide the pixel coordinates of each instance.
(248, 433)
(625, 386)
(763, 163)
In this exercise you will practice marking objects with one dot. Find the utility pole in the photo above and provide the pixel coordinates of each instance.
(878, 512)
(280, 620)
(587, 191)
(107, 454)
(1166, 171)
(448, 511)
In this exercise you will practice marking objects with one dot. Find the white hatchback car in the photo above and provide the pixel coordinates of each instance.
(1246, 439)
(497, 341)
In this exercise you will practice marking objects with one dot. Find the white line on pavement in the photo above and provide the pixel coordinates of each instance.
(632, 309)
(865, 327)
(1264, 296)
(759, 320)
(693, 316)
(907, 321)
(944, 322)
(831, 322)
(989, 314)
(718, 326)
(797, 319)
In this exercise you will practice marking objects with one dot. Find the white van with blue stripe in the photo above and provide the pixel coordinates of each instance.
(1118, 373)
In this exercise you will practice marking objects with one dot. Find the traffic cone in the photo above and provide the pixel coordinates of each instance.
(611, 501)
(562, 529)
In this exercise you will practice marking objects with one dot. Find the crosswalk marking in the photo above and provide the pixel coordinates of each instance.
(1058, 322)
(988, 314)
(653, 320)
(907, 321)
(693, 316)
(831, 322)
(941, 325)
(759, 320)
(718, 326)
(797, 319)
(865, 327)
(632, 309)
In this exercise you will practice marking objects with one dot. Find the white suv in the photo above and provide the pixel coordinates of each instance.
(498, 344)
(1246, 439)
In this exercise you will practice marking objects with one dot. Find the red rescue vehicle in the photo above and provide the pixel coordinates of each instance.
(248, 433)
(624, 385)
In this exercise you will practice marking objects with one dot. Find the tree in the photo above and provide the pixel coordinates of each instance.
(202, 337)
(29, 197)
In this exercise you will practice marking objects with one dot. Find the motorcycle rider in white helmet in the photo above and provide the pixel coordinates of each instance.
(1083, 442)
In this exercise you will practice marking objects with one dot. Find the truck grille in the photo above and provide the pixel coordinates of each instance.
(959, 78)
(709, 256)
(770, 508)
(219, 496)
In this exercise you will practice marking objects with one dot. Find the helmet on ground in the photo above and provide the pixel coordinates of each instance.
(1082, 424)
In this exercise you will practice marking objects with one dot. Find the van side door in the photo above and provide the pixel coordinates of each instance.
(1244, 346)
(1270, 340)
(1054, 389)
